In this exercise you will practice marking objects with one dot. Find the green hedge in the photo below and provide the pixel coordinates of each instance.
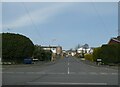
(16, 47)
(41, 54)
(108, 53)
(88, 57)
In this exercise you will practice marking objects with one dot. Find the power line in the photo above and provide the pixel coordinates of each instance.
(28, 13)
(99, 16)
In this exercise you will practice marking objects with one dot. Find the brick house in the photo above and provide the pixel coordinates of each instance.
(56, 50)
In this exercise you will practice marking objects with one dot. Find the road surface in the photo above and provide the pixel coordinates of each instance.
(66, 71)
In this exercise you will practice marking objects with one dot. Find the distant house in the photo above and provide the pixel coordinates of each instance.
(56, 50)
(114, 40)
(83, 50)
(71, 52)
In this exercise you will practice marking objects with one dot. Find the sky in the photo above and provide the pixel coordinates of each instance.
(62, 23)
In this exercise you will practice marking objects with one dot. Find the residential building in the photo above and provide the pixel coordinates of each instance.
(83, 50)
(56, 50)
(114, 40)
(71, 52)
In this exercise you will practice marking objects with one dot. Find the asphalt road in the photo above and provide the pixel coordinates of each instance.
(66, 71)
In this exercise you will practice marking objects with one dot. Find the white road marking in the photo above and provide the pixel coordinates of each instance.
(103, 73)
(68, 70)
(68, 64)
(114, 73)
(93, 73)
(63, 83)
(29, 72)
(73, 73)
(40, 72)
(82, 73)
(9, 72)
(20, 72)
(62, 73)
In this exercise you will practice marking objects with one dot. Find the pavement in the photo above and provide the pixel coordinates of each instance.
(66, 71)
(94, 64)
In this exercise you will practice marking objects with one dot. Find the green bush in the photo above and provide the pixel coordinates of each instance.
(42, 55)
(16, 47)
(108, 53)
(96, 53)
(88, 57)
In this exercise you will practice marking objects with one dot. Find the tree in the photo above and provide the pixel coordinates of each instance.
(41, 54)
(16, 47)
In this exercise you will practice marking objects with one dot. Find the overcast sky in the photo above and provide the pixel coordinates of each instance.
(59, 23)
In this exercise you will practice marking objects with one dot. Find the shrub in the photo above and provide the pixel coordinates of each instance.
(16, 47)
(96, 53)
(108, 53)
(88, 57)
(41, 54)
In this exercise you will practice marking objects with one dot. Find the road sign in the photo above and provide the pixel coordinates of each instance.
(99, 60)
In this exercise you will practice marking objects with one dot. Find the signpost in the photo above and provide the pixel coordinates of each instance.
(99, 61)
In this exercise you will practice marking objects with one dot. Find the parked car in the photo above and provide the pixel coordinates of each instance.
(27, 61)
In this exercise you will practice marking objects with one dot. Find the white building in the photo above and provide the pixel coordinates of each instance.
(83, 50)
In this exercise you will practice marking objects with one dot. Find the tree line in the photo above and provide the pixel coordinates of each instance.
(16, 47)
(107, 53)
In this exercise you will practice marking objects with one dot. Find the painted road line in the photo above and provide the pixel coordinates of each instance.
(68, 70)
(29, 72)
(68, 64)
(82, 73)
(19, 72)
(114, 73)
(63, 83)
(8, 72)
(40, 73)
(56, 73)
(103, 73)
(73, 73)
(93, 73)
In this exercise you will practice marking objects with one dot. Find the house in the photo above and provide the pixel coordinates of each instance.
(71, 52)
(83, 50)
(56, 50)
(114, 40)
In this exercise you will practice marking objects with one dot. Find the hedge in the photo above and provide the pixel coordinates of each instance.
(108, 53)
(16, 47)
(88, 57)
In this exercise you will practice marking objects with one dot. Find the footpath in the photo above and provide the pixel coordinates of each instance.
(96, 65)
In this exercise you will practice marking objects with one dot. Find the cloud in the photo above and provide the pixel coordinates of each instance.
(38, 16)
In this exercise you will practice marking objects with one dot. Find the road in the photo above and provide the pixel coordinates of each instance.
(66, 71)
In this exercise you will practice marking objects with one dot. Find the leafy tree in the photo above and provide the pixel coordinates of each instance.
(41, 54)
(16, 47)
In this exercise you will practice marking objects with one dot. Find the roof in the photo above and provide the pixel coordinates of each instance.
(114, 40)
(50, 46)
